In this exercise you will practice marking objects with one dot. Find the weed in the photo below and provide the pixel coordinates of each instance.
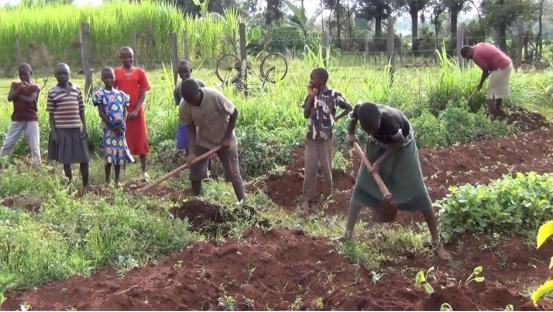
(421, 280)
(475, 276)
(297, 305)
(227, 303)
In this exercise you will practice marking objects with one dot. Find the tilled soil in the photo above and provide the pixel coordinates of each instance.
(279, 269)
(476, 163)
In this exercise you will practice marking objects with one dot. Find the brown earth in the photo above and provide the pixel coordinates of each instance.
(525, 120)
(279, 269)
(476, 163)
(202, 216)
(31, 205)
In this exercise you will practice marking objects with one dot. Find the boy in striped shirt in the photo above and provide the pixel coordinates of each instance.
(67, 144)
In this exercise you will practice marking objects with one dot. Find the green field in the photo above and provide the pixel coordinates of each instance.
(433, 98)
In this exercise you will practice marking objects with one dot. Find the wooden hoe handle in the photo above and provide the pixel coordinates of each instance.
(381, 186)
(181, 168)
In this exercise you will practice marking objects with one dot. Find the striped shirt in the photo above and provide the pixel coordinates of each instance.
(66, 104)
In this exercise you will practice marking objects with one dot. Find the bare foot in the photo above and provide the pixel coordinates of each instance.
(442, 253)
(145, 177)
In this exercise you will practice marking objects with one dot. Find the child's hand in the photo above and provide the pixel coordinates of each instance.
(133, 115)
(84, 134)
(311, 91)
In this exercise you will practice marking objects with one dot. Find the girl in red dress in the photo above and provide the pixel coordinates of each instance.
(133, 81)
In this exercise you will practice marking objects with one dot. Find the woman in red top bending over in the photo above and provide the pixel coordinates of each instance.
(496, 65)
(133, 81)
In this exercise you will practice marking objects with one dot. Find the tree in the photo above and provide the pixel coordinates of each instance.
(539, 42)
(378, 10)
(274, 11)
(336, 7)
(299, 18)
(415, 6)
(438, 9)
(500, 14)
(454, 7)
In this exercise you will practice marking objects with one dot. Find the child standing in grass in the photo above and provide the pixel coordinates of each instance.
(320, 108)
(67, 144)
(112, 107)
(133, 81)
(185, 71)
(392, 150)
(24, 95)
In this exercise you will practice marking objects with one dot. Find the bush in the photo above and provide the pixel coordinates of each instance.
(522, 202)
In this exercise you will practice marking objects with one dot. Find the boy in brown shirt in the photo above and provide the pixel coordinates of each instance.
(210, 119)
(24, 95)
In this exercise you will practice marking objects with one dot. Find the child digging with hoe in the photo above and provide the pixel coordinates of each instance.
(210, 119)
(67, 144)
(320, 108)
(133, 81)
(112, 107)
(392, 150)
(24, 95)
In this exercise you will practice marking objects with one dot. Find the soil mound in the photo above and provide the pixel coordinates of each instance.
(278, 269)
(202, 216)
(525, 120)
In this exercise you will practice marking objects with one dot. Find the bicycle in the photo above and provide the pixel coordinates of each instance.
(230, 69)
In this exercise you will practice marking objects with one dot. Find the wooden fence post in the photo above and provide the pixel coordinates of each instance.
(174, 56)
(134, 47)
(243, 52)
(366, 54)
(85, 56)
(186, 46)
(400, 49)
(390, 46)
(325, 46)
(17, 50)
(519, 41)
(459, 44)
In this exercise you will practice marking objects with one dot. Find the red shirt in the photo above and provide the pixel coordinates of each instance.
(23, 111)
(133, 82)
(490, 58)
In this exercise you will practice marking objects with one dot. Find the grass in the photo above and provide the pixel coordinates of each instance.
(49, 33)
(74, 235)
(271, 124)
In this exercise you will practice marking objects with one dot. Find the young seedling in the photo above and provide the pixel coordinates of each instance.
(375, 277)
(475, 275)
(509, 307)
(227, 303)
(421, 281)
(446, 307)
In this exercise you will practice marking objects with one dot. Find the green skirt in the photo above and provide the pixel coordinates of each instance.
(402, 175)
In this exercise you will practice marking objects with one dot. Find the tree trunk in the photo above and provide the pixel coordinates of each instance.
(539, 43)
(414, 30)
(338, 23)
(453, 14)
(502, 37)
(378, 27)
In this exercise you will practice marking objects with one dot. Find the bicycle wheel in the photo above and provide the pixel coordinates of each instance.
(273, 67)
(227, 68)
